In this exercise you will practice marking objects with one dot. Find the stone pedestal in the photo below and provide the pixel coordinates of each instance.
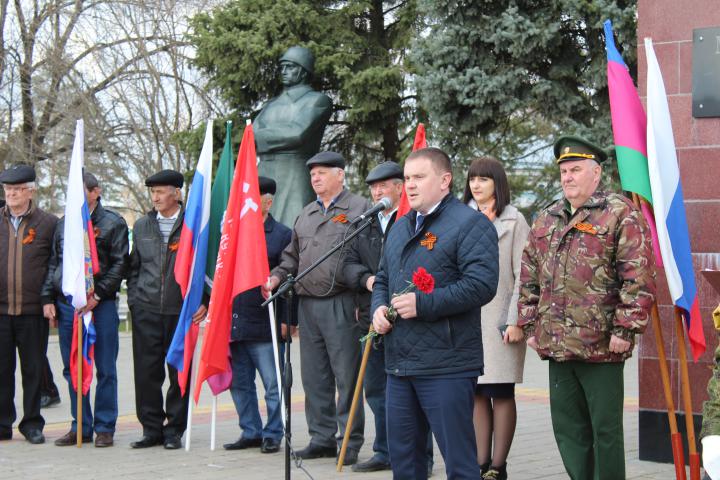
(670, 24)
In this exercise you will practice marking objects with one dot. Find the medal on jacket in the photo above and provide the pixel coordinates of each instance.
(429, 241)
(173, 247)
(342, 218)
(586, 228)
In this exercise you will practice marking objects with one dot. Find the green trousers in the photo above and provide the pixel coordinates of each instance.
(586, 404)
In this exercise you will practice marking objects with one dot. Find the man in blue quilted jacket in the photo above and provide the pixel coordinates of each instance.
(433, 348)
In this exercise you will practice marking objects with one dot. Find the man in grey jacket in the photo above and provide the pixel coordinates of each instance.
(329, 331)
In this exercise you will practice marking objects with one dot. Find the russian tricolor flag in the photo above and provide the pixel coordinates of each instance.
(190, 262)
(668, 204)
(79, 260)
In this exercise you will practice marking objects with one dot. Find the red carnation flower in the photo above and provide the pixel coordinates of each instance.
(423, 280)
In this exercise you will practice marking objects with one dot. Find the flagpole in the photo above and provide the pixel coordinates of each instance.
(356, 397)
(675, 435)
(212, 424)
(687, 400)
(276, 355)
(193, 379)
(79, 388)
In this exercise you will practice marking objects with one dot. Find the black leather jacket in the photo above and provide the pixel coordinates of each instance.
(111, 239)
(151, 278)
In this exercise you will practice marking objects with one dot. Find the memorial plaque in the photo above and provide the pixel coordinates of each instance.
(706, 72)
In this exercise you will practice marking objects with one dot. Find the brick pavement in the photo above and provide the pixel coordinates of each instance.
(533, 456)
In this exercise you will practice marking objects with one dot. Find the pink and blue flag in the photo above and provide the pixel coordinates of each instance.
(191, 261)
(629, 125)
(79, 261)
(669, 206)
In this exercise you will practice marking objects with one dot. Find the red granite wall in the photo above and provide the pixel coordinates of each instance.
(670, 24)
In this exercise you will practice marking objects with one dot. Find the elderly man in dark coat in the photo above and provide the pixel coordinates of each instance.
(433, 348)
(251, 347)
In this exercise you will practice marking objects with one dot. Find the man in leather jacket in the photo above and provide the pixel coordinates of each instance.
(111, 239)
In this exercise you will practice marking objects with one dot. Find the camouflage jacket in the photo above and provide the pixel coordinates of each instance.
(585, 277)
(711, 408)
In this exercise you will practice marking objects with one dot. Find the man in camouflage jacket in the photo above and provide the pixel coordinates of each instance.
(587, 286)
(710, 434)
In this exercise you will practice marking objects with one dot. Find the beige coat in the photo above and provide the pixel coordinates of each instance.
(504, 363)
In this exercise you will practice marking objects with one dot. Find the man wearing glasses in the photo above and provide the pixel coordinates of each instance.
(25, 241)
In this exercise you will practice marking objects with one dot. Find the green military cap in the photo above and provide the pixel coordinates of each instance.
(300, 56)
(570, 147)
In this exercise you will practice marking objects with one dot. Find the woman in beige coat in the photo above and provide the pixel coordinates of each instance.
(487, 190)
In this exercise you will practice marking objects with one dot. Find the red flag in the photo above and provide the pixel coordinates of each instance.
(420, 142)
(242, 244)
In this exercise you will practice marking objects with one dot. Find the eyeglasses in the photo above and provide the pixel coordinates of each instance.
(14, 189)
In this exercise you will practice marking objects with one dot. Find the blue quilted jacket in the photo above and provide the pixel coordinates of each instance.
(445, 338)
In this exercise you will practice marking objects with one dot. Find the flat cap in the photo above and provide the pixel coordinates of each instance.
(329, 159)
(570, 147)
(165, 177)
(384, 171)
(18, 174)
(267, 185)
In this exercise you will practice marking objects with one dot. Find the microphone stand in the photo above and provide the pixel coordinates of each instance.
(286, 288)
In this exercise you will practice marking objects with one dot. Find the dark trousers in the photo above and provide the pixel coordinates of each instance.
(47, 383)
(152, 334)
(330, 353)
(103, 417)
(374, 386)
(416, 404)
(586, 405)
(24, 333)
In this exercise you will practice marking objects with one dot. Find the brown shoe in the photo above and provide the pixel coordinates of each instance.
(103, 439)
(70, 438)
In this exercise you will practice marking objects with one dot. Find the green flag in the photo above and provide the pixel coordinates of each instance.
(218, 201)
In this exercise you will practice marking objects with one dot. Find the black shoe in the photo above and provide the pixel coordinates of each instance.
(496, 473)
(243, 443)
(70, 438)
(172, 442)
(34, 436)
(351, 457)
(48, 401)
(316, 451)
(372, 465)
(269, 445)
(6, 435)
(146, 442)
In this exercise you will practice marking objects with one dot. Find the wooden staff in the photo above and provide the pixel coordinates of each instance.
(79, 390)
(687, 400)
(675, 435)
(356, 397)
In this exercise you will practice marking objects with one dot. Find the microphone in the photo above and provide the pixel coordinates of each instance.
(383, 204)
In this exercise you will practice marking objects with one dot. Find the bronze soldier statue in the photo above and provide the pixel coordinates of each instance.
(288, 132)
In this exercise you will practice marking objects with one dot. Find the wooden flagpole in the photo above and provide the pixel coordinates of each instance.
(687, 400)
(79, 390)
(675, 435)
(356, 397)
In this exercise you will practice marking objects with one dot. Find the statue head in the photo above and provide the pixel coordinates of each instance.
(296, 66)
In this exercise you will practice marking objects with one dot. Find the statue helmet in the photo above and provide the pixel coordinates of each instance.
(300, 56)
